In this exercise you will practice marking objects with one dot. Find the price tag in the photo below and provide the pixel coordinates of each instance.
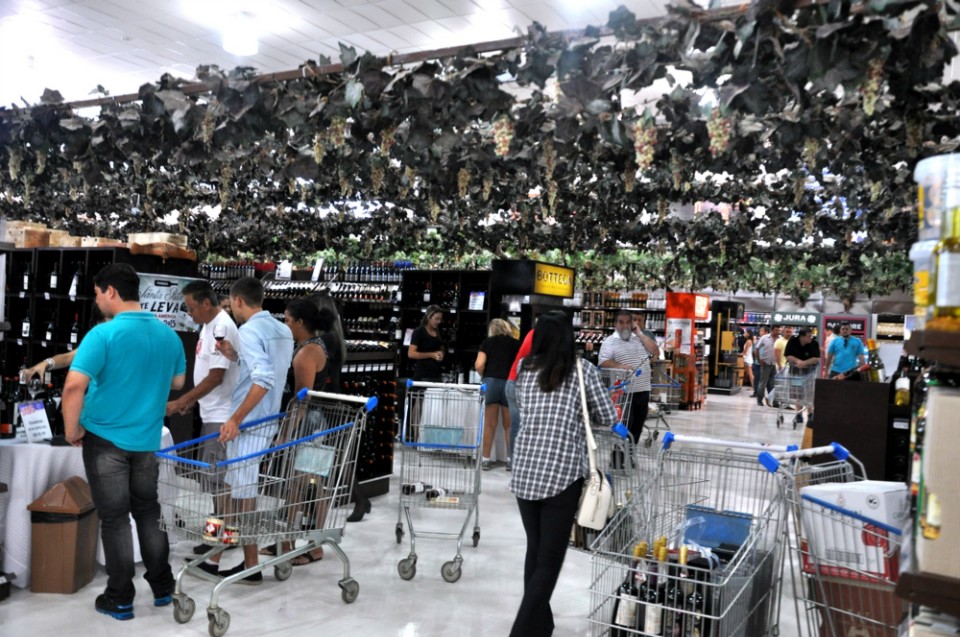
(46, 296)
(69, 348)
(34, 419)
(23, 295)
(43, 343)
(285, 270)
(19, 341)
(73, 297)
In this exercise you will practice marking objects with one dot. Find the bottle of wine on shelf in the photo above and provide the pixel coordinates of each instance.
(627, 602)
(26, 277)
(75, 330)
(426, 294)
(25, 329)
(75, 282)
(51, 328)
(54, 277)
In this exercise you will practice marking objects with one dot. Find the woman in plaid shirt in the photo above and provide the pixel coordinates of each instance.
(550, 460)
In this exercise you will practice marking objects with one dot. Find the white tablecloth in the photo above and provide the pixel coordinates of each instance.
(29, 470)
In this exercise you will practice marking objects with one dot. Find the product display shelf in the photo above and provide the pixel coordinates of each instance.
(928, 589)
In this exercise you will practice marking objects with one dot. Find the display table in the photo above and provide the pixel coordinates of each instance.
(29, 470)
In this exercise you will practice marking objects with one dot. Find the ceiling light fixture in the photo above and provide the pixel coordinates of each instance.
(240, 35)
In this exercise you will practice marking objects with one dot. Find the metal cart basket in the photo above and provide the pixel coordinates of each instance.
(793, 389)
(290, 480)
(440, 464)
(843, 564)
(708, 499)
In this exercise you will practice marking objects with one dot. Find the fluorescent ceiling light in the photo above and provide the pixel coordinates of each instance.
(240, 37)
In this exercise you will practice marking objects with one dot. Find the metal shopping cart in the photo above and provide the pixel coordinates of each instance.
(618, 382)
(665, 394)
(297, 488)
(793, 389)
(843, 564)
(440, 467)
(726, 514)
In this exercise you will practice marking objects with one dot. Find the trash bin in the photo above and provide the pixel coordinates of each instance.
(64, 538)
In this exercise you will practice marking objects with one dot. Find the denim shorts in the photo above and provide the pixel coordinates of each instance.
(496, 391)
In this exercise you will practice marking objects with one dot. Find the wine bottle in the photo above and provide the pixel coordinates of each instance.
(426, 294)
(51, 326)
(75, 282)
(75, 330)
(55, 277)
(26, 277)
(25, 330)
(673, 599)
(435, 493)
(653, 614)
(309, 520)
(876, 374)
(627, 602)
(415, 487)
(693, 625)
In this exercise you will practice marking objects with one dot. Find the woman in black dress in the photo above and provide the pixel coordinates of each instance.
(427, 348)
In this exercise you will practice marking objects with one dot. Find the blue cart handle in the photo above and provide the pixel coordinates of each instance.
(772, 460)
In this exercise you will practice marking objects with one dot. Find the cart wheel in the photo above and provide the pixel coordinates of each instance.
(183, 609)
(283, 571)
(779, 420)
(407, 568)
(219, 623)
(450, 571)
(476, 537)
(399, 532)
(349, 590)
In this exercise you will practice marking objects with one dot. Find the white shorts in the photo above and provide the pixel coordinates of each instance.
(242, 476)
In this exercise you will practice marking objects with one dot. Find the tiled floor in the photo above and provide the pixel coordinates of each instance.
(482, 603)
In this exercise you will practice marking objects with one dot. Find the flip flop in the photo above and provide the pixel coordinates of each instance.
(308, 556)
(269, 550)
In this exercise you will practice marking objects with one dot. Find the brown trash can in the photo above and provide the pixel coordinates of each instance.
(64, 529)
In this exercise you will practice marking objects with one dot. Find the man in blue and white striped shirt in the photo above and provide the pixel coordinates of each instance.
(627, 350)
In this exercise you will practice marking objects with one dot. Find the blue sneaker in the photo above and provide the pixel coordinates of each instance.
(117, 610)
(163, 600)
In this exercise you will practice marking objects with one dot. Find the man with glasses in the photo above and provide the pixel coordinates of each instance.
(214, 377)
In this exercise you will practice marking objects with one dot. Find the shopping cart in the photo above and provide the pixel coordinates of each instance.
(295, 489)
(664, 397)
(710, 498)
(843, 565)
(793, 389)
(618, 382)
(440, 467)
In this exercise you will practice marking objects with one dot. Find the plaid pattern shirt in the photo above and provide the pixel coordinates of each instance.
(551, 450)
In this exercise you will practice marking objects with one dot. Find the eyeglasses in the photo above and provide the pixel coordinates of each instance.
(191, 310)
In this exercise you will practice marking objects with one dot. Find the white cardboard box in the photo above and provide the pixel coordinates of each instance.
(840, 541)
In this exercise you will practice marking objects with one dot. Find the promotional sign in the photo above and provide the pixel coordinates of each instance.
(858, 324)
(553, 280)
(33, 417)
(686, 334)
(162, 295)
(523, 276)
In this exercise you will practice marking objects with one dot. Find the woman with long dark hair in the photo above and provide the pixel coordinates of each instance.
(550, 460)
(427, 348)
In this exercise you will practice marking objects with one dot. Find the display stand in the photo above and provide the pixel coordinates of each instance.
(928, 589)
(682, 312)
(725, 358)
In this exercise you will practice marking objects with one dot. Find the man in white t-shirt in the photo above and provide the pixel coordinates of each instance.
(214, 377)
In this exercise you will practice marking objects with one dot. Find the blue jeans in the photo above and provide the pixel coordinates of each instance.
(511, 392)
(124, 483)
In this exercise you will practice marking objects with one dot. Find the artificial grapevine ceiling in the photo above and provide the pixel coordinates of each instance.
(809, 120)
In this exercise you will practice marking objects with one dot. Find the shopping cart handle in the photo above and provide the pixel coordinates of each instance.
(369, 402)
(302, 394)
(669, 438)
(637, 372)
(771, 461)
(620, 429)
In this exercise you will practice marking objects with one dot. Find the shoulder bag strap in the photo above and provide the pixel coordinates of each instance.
(591, 443)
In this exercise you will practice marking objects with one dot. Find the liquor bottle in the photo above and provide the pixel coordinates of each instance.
(946, 259)
(693, 625)
(627, 602)
(55, 277)
(25, 330)
(75, 330)
(51, 327)
(426, 294)
(674, 598)
(414, 488)
(26, 277)
(435, 493)
(901, 388)
(75, 282)
(653, 614)
(876, 373)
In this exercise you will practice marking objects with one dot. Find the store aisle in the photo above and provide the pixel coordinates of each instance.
(482, 603)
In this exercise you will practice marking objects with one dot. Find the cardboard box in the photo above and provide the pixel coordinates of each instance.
(64, 528)
(941, 477)
(856, 609)
(843, 524)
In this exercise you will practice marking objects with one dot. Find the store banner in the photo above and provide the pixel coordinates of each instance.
(162, 295)
(802, 319)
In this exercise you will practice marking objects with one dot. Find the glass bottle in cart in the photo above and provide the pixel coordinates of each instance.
(628, 596)
(675, 597)
(653, 616)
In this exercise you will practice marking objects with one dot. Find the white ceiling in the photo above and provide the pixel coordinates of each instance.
(74, 45)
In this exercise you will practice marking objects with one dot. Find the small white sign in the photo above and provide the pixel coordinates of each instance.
(316, 270)
(285, 270)
(34, 419)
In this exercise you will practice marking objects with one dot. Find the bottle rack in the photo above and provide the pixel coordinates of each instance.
(463, 329)
(375, 459)
(41, 302)
(928, 589)
(596, 310)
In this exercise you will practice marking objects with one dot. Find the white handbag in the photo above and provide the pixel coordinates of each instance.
(596, 501)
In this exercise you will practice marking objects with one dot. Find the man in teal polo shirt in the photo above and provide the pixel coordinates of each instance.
(114, 401)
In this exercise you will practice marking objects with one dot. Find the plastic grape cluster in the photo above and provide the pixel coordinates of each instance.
(503, 130)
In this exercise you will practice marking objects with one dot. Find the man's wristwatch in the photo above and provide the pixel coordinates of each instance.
(51, 364)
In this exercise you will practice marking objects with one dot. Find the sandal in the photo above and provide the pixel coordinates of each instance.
(307, 556)
(269, 550)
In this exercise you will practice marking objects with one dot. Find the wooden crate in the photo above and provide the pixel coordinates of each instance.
(146, 238)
